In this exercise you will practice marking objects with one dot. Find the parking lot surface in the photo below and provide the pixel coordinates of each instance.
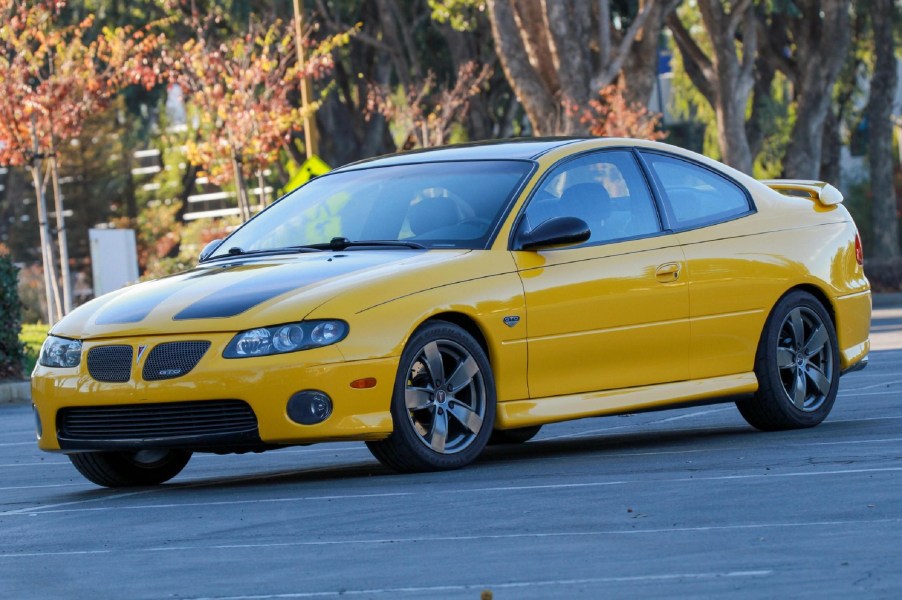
(689, 502)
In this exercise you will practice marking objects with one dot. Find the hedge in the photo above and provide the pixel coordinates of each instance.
(12, 354)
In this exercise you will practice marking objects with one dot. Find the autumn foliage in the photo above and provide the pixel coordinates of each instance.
(611, 115)
(240, 90)
(423, 115)
(52, 77)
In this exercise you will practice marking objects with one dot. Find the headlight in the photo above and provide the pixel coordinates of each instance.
(60, 352)
(290, 337)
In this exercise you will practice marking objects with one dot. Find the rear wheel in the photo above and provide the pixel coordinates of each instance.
(797, 366)
(514, 436)
(443, 406)
(129, 469)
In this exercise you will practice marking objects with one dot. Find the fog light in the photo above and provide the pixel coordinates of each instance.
(37, 421)
(309, 407)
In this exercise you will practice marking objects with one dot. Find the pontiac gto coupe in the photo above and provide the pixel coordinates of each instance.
(431, 302)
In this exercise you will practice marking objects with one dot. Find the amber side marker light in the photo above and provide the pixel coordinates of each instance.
(859, 251)
(365, 383)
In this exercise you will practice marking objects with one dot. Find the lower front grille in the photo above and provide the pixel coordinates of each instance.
(170, 420)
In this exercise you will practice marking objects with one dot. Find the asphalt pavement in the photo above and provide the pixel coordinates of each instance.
(683, 503)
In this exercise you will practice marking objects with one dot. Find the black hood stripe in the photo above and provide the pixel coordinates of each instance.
(242, 296)
(134, 305)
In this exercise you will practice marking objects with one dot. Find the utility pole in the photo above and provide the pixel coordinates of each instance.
(310, 137)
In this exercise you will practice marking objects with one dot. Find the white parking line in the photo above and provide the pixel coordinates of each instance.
(895, 392)
(475, 538)
(44, 554)
(695, 414)
(516, 536)
(876, 441)
(60, 508)
(51, 485)
(877, 385)
(427, 591)
(40, 463)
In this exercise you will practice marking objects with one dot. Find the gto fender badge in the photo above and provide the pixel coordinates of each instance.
(141, 350)
(512, 320)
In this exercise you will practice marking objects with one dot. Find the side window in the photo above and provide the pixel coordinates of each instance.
(606, 190)
(696, 196)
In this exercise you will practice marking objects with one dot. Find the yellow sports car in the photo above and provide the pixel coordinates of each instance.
(432, 302)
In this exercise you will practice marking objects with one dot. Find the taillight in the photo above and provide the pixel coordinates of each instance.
(859, 252)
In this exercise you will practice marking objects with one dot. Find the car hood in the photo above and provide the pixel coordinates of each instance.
(248, 292)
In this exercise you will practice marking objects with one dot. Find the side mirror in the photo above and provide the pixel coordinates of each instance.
(209, 249)
(557, 231)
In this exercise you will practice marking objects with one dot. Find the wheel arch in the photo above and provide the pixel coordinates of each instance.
(810, 288)
(468, 324)
(819, 294)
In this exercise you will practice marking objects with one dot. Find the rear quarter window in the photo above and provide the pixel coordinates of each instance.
(695, 196)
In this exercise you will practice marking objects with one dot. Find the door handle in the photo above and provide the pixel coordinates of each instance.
(668, 272)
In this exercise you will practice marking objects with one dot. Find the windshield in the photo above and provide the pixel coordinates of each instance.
(435, 205)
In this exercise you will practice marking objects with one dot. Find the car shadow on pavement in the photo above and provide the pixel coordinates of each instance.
(603, 443)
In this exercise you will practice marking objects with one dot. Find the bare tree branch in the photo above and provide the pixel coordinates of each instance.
(610, 71)
(697, 64)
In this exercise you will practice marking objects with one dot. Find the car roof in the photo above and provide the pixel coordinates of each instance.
(508, 149)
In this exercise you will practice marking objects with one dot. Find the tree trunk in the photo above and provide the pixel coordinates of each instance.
(831, 150)
(54, 309)
(640, 69)
(880, 133)
(726, 77)
(731, 134)
(553, 61)
(62, 236)
(244, 207)
(821, 46)
(537, 100)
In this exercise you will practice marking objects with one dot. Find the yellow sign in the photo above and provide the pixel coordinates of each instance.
(311, 168)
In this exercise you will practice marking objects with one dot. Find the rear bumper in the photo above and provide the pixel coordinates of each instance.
(853, 328)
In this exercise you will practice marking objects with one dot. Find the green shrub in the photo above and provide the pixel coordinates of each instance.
(32, 337)
(11, 351)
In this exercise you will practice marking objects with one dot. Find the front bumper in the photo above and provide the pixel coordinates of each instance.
(264, 383)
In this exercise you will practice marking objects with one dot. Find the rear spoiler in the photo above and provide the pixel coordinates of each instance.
(823, 192)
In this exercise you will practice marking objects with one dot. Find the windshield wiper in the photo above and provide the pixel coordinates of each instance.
(236, 251)
(340, 243)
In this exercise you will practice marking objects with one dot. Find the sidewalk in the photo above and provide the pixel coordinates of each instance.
(888, 300)
(18, 392)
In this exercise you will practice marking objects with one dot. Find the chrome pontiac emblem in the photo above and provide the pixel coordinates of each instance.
(512, 320)
(141, 350)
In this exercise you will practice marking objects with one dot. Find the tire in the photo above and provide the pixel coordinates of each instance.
(130, 469)
(797, 366)
(443, 404)
(513, 436)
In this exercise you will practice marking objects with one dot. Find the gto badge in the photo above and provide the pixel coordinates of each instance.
(511, 320)
(141, 350)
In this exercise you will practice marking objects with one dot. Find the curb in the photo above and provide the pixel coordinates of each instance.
(15, 392)
(887, 300)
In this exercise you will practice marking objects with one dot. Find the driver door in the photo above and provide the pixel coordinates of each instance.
(612, 312)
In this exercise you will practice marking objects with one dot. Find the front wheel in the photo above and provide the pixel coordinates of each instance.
(797, 366)
(443, 405)
(129, 469)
